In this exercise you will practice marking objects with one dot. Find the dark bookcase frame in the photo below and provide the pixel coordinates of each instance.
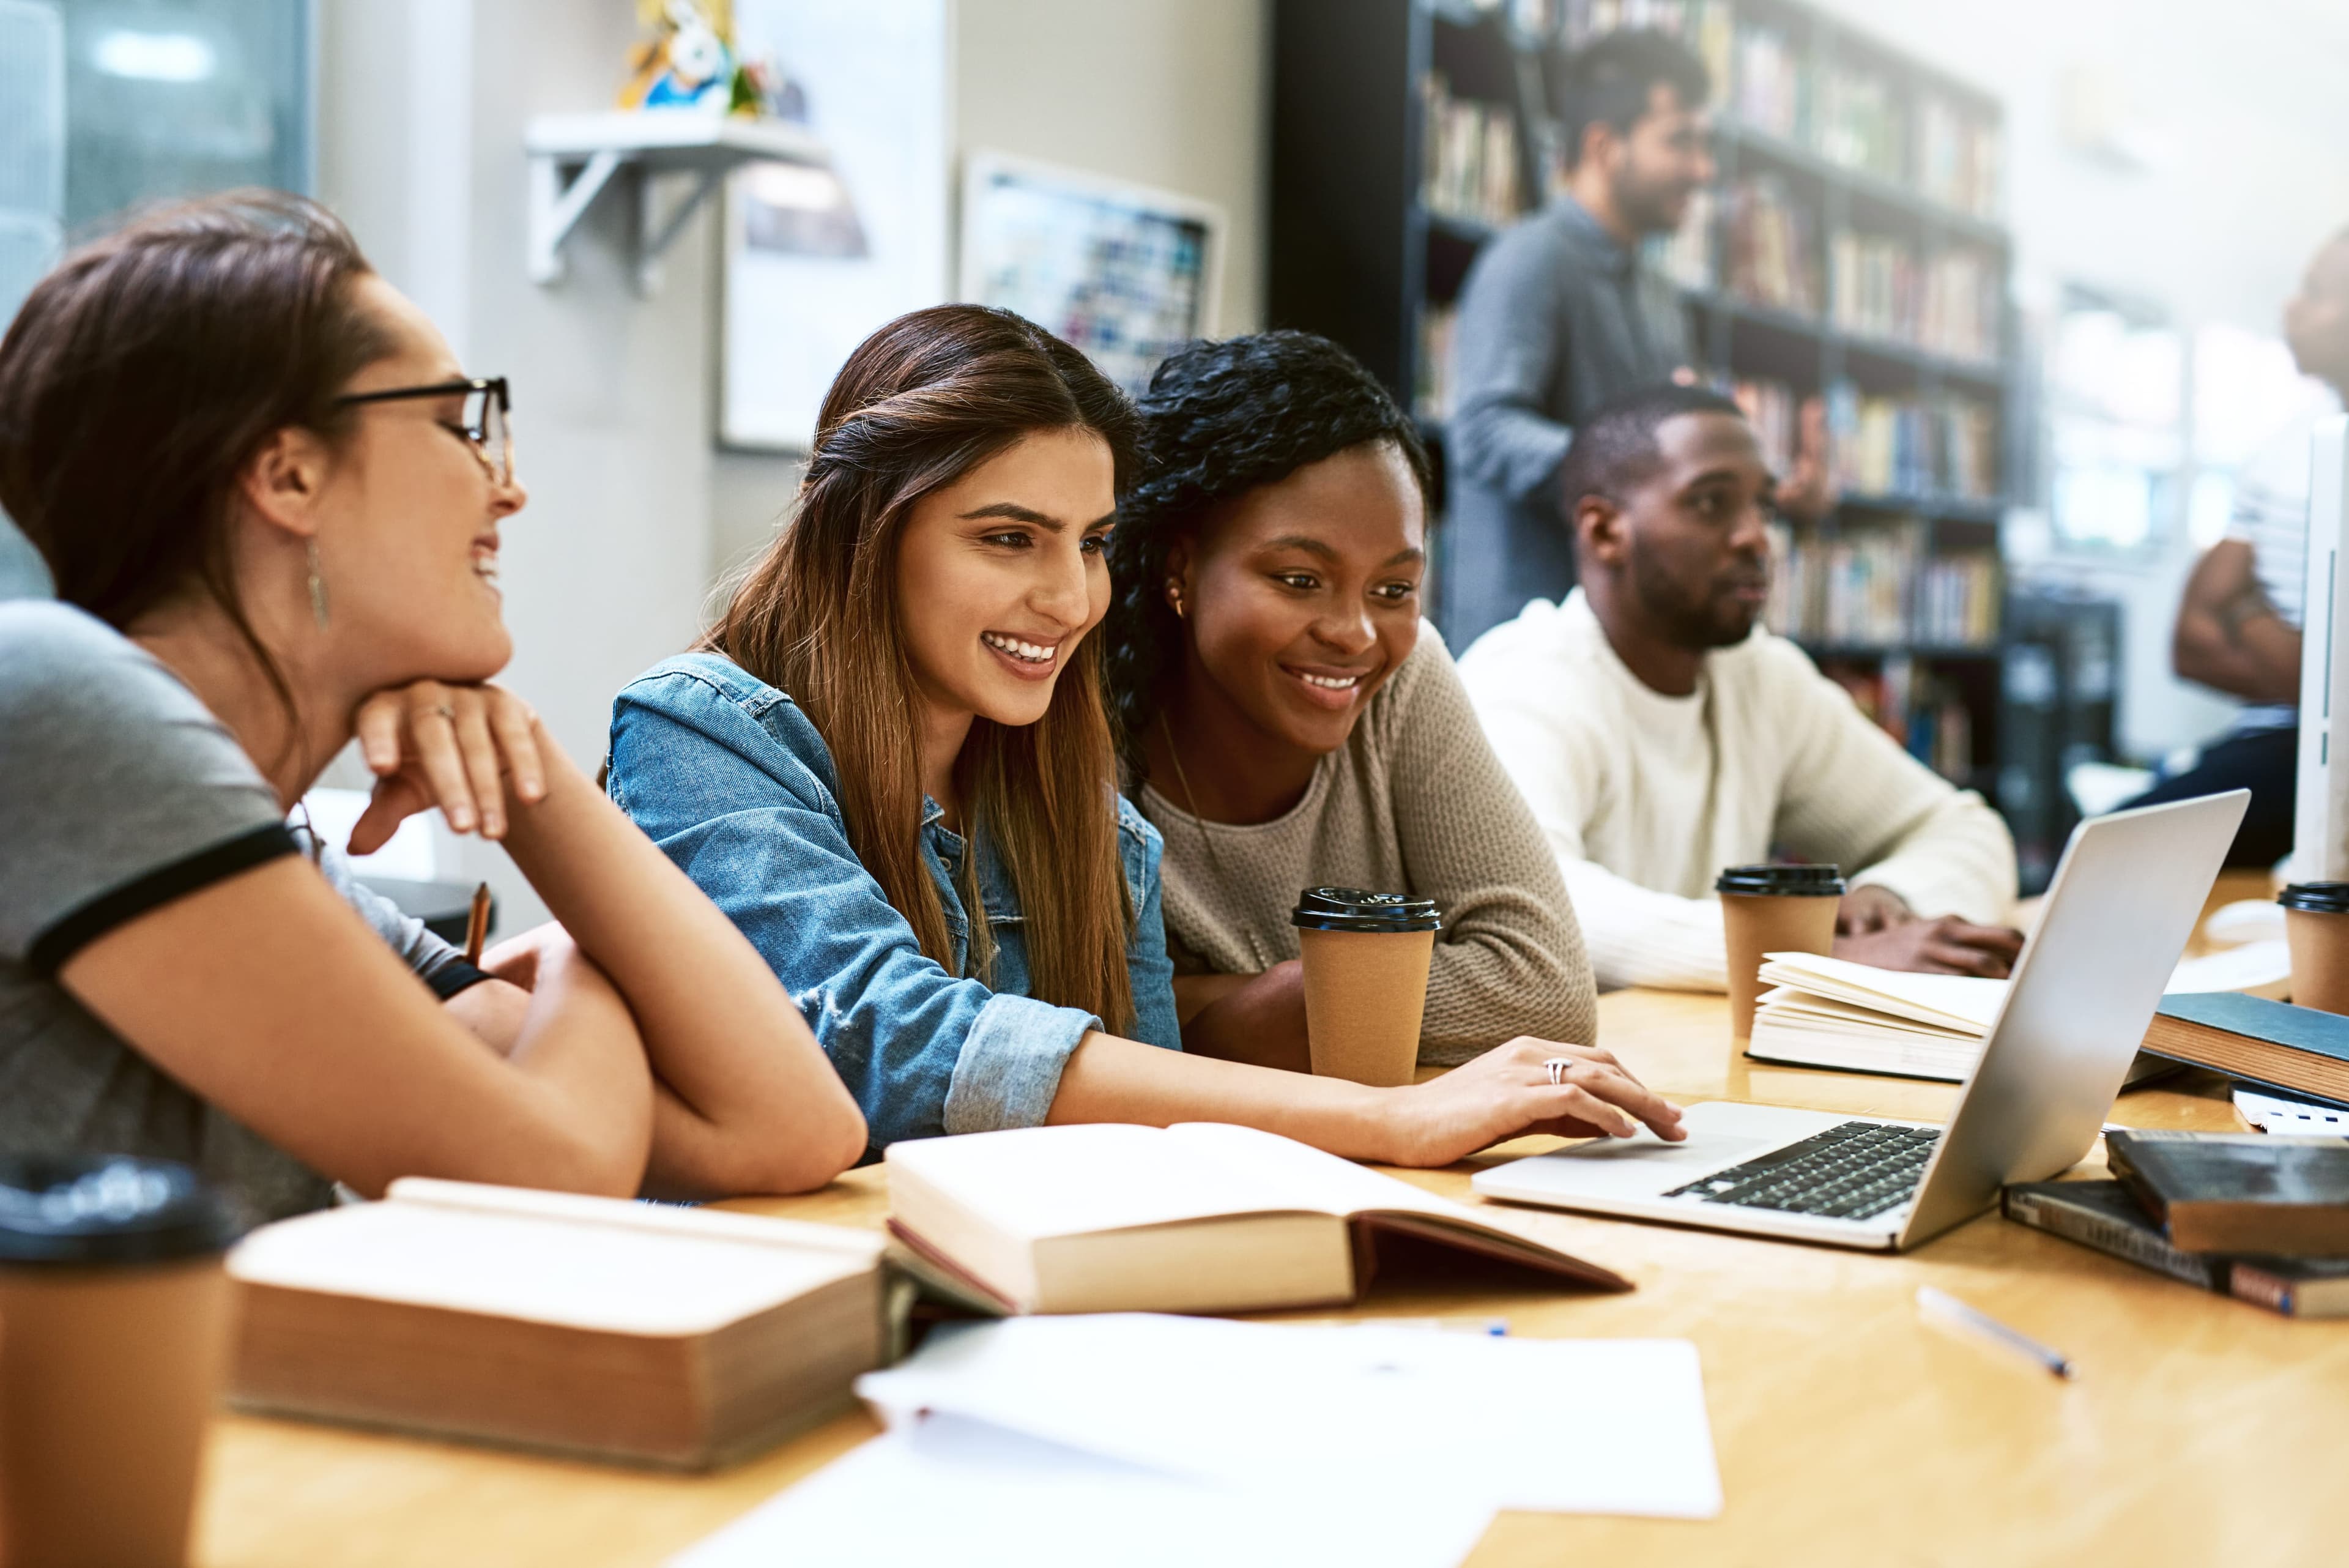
(1356, 254)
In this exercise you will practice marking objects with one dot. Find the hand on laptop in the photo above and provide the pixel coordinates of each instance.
(1874, 927)
(1507, 1093)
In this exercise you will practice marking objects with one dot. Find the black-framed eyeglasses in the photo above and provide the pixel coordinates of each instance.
(487, 420)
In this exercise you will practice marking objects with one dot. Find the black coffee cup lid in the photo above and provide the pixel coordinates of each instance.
(1352, 909)
(106, 1208)
(2316, 898)
(1782, 881)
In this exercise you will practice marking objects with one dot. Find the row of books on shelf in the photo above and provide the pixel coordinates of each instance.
(1875, 285)
(1946, 445)
(1704, 26)
(1880, 586)
(1471, 162)
(1927, 715)
(1862, 120)
(1947, 303)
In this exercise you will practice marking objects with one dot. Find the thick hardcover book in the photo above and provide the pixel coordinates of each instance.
(2102, 1215)
(2239, 1192)
(672, 1336)
(1198, 1218)
(2296, 1049)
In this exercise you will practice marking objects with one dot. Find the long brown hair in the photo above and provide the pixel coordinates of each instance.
(920, 403)
(143, 375)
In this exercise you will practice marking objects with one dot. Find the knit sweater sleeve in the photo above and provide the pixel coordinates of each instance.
(1510, 959)
(1851, 795)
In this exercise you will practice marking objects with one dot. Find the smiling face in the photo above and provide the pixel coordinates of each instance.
(1690, 535)
(407, 522)
(1301, 597)
(1002, 574)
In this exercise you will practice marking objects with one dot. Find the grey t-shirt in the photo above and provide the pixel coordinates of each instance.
(119, 793)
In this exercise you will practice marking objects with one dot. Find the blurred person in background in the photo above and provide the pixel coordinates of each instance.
(1558, 315)
(2239, 624)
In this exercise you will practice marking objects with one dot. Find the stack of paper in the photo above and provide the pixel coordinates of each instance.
(1138, 1439)
(1831, 1013)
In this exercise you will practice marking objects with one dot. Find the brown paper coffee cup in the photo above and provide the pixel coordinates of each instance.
(2316, 929)
(108, 1381)
(1771, 909)
(1364, 994)
(114, 1335)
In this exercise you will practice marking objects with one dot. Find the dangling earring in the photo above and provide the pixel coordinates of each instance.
(317, 584)
(1175, 597)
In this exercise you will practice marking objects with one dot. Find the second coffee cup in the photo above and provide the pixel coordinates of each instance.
(2316, 929)
(1366, 956)
(114, 1331)
(1771, 909)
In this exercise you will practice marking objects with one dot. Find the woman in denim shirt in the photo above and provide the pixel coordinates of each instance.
(891, 764)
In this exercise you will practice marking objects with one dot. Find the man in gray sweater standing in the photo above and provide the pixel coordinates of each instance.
(1558, 315)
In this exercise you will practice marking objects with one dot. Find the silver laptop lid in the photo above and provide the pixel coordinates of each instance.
(2125, 900)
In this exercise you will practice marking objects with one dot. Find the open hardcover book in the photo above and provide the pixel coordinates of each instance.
(600, 1326)
(1198, 1218)
(1831, 1013)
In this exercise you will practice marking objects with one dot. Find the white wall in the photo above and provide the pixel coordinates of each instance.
(632, 514)
(2252, 171)
(423, 105)
(1171, 93)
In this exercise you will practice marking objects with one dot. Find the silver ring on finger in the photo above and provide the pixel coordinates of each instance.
(1556, 1067)
(445, 711)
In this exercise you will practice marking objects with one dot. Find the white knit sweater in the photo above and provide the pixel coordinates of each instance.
(1644, 798)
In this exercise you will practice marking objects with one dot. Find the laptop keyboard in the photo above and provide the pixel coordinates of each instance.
(1851, 1171)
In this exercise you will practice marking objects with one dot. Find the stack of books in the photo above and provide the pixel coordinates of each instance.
(2255, 1216)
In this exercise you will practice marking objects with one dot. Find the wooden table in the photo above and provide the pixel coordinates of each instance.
(2200, 1430)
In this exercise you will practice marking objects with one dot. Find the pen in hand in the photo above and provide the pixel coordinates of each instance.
(1938, 1306)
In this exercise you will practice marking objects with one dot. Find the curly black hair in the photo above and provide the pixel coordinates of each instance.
(1220, 419)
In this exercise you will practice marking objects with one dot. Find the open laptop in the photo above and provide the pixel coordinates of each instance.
(2125, 900)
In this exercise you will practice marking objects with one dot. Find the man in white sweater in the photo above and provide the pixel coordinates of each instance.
(1659, 735)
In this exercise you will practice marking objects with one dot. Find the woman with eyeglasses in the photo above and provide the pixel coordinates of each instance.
(271, 502)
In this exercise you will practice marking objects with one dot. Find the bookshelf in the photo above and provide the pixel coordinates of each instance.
(1850, 250)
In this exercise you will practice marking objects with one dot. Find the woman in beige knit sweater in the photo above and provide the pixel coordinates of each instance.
(1290, 720)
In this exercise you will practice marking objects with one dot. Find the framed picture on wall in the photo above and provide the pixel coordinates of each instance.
(817, 259)
(1125, 273)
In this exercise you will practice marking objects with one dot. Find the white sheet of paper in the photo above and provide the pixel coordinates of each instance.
(1565, 1426)
(945, 1490)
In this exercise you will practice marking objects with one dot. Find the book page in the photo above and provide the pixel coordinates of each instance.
(1308, 1178)
(1948, 1001)
(1037, 1182)
(616, 1279)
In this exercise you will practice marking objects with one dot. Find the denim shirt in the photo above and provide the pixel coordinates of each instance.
(729, 777)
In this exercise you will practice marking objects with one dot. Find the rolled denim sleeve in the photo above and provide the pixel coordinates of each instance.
(746, 817)
(1009, 1066)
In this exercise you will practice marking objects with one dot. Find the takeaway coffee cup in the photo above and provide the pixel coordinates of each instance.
(114, 1315)
(1771, 909)
(2316, 929)
(1366, 956)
